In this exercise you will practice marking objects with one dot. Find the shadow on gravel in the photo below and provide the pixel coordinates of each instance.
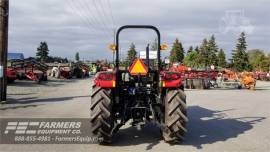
(35, 100)
(49, 83)
(204, 127)
(20, 94)
(262, 88)
(208, 126)
(18, 107)
(31, 84)
(27, 102)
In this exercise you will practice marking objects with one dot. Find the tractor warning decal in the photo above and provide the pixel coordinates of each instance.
(138, 67)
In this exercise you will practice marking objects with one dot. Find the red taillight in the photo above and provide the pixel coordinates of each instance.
(106, 76)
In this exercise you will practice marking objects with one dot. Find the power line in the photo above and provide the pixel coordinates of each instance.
(84, 20)
(113, 20)
(104, 12)
(85, 12)
(111, 13)
(85, 9)
(101, 14)
(82, 9)
(94, 18)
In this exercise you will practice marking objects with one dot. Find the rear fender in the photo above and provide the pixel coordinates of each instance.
(105, 79)
(171, 79)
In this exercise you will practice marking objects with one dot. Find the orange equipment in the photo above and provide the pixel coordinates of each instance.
(230, 75)
(248, 80)
(179, 68)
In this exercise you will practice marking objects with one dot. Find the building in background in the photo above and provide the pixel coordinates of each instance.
(12, 56)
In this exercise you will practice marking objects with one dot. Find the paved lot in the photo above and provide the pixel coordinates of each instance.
(220, 120)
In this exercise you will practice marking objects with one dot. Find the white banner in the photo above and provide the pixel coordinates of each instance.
(152, 55)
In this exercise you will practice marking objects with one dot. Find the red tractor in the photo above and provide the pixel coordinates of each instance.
(143, 93)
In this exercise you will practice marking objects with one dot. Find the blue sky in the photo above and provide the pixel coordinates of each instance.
(86, 26)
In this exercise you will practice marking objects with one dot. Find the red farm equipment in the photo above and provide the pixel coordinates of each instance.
(81, 70)
(30, 69)
(263, 76)
(11, 75)
(143, 93)
(196, 79)
(67, 71)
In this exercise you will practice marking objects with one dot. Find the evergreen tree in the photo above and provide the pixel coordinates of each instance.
(65, 60)
(197, 49)
(191, 59)
(221, 59)
(239, 55)
(77, 56)
(177, 52)
(53, 59)
(203, 57)
(132, 53)
(42, 52)
(213, 50)
(190, 49)
(154, 46)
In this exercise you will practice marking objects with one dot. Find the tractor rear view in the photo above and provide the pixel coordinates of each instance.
(144, 93)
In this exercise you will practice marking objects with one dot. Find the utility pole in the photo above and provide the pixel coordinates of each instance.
(4, 13)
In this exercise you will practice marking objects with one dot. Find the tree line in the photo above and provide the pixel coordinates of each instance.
(42, 55)
(208, 53)
(203, 56)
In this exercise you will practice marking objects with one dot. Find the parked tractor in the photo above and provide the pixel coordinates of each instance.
(146, 94)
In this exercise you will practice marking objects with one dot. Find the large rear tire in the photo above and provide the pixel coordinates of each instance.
(101, 114)
(175, 115)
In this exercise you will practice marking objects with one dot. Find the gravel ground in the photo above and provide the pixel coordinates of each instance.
(219, 120)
